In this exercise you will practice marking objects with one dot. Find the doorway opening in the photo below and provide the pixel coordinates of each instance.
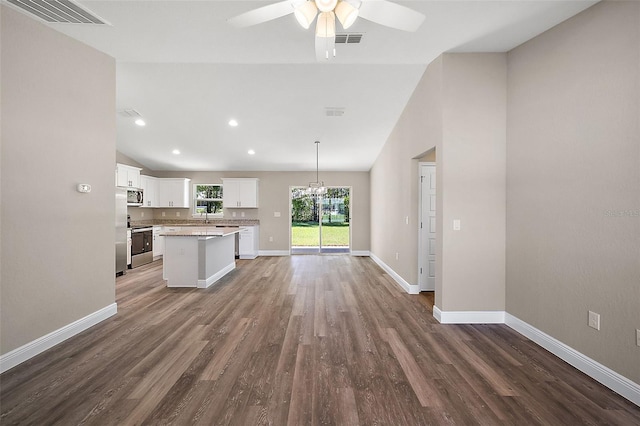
(320, 223)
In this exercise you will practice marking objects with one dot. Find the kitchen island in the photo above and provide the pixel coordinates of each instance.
(198, 256)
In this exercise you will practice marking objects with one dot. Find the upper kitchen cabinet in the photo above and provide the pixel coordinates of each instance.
(149, 185)
(127, 176)
(174, 193)
(240, 193)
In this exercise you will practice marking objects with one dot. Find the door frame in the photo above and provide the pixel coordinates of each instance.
(320, 218)
(423, 263)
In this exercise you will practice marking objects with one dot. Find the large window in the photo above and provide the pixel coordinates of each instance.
(207, 199)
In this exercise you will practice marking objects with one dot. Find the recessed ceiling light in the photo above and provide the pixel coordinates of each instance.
(251, 152)
(233, 123)
(140, 122)
(175, 151)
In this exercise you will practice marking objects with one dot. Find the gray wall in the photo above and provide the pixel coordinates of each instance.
(459, 107)
(58, 257)
(573, 160)
(274, 197)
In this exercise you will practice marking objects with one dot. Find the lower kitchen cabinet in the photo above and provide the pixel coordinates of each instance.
(248, 244)
(158, 242)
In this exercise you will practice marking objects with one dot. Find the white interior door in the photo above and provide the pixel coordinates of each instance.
(427, 237)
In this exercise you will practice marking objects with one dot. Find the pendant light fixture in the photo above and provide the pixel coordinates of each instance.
(317, 187)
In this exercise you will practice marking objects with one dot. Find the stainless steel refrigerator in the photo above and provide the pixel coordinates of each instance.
(121, 230)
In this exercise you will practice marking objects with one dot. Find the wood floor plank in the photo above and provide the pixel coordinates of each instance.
(297, 340)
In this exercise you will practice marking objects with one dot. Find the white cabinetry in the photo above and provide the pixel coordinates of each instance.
(240, 193)
(127, 176)
(128, 247)
(173, 193)
(149, 186)
(158, 242)
(248, 244)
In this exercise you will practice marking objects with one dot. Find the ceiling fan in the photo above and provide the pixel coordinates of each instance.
(381, 12)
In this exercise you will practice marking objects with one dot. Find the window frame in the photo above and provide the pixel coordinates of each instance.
(194, 208)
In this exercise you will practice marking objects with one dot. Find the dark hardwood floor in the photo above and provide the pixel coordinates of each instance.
(297, 340)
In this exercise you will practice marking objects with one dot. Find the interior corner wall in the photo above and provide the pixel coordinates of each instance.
(471, 183)
(573, 173)
(459, 107)
(58, 130)
(394, 177)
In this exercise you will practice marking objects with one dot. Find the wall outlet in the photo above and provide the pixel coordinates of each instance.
(163, 214)
(594, 320)
(141, 214)
(270, 239)
(638, 337)
(177, 214)
(406, 220)
(397, 255)
(241, 214)
(233, 214)
(276, 214)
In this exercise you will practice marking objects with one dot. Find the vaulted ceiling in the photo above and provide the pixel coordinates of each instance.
(187, 72)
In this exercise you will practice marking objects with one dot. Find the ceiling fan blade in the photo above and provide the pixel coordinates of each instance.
(391, 15)
(325, 46)
(262, 14)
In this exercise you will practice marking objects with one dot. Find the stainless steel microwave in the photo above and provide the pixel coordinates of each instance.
(135, 197)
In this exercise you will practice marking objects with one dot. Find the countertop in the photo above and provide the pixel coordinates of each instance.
(195, 222)
(202, 231)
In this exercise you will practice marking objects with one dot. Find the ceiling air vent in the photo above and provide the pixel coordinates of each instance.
(348, 38)
(58, 11)
(334, 112)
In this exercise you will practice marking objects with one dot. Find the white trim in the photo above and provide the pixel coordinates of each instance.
(409, 288)
(437, 314)
(41, 344)
(468, 317)
(215, 277)
(590, 367)
(364, 253)
(273, 253)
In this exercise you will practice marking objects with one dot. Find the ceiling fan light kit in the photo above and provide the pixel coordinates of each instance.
(326, 26)
(306, 13)
(326, 5)
(346, 14)
(382, 12)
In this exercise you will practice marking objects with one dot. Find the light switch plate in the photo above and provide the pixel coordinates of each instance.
(456, 224)
(594, 320)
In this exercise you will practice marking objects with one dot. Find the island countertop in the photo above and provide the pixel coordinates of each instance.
(201, 231)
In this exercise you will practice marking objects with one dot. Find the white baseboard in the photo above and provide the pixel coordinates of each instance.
(35, 347)
(364, 253)
(468, 317)
(215, 277)
(409, 288)
(590, 367)
(274, 253)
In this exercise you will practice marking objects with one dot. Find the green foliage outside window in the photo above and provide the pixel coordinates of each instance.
(208, 199)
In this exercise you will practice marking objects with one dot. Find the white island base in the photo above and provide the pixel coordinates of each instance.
(198, 260)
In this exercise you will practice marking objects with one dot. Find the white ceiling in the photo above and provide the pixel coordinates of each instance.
(187, 72)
